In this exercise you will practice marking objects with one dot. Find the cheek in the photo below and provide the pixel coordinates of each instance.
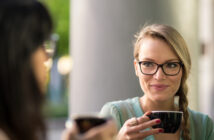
(42, 72)
(144, 82)
(176, 81)
(40, 69)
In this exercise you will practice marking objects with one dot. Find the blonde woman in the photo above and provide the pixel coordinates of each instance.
(162, 63)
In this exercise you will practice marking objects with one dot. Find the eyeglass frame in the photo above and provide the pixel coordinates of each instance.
(161, 65)
(50, 45)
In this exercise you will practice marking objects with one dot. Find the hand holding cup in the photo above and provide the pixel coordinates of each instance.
(138, 128)
(170, 120)
(90, 128)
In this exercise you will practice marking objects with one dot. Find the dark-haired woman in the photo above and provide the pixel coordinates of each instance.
(24, 27)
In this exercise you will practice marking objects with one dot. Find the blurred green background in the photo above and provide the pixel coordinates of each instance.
(59, 10)
(57, 96)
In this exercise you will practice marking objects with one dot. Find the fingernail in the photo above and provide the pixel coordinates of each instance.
(157, 121)
(148, 113)
(160, 130)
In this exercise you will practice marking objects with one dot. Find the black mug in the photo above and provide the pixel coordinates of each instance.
(170, 120)
(85, 123)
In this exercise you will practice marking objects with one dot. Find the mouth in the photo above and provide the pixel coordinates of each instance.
(159, 87)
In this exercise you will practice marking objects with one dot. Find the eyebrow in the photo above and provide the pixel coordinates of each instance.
(169, 60)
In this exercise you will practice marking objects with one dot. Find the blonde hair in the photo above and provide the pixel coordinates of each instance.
(178, 45)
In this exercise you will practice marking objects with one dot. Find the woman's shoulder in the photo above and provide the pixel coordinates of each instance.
(198, 116)
(201, 125)
(3, 136)
(122, 104)
(120, 110)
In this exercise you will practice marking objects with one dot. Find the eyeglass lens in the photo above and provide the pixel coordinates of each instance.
(169, 68)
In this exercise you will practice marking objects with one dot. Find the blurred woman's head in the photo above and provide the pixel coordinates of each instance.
(24, 29)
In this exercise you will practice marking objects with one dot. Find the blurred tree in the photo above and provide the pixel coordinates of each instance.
(59, 10)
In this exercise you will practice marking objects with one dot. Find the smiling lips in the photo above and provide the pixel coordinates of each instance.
(159, 87)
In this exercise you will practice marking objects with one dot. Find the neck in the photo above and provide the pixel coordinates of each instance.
(149, 105)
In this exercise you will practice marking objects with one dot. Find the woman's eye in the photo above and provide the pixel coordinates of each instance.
(171, 65)
(147, 64)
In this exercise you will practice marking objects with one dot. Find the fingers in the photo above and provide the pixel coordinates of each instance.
(141, 123)
(68, 134)
(135, 121)
(107, 130)
(132, 122)
(144, 134)
(144, 118)
(139, 128)
(143, 126)
(147, 124)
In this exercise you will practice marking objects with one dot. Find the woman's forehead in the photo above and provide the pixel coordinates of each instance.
(156, 49)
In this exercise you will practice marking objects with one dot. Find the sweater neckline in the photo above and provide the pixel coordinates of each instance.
(137, 108)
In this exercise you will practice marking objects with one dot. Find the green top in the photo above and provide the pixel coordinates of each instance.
(201, 126)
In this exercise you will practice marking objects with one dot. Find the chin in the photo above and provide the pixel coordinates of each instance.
(161, 98)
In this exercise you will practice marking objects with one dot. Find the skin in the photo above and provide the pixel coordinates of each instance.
(38, 59)
(159, 91)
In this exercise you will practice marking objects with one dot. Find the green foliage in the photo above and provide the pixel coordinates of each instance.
(59, 10)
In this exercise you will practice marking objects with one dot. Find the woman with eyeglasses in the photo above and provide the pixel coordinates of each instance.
(162, 64)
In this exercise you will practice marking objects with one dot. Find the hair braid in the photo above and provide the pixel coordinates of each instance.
(183, 104)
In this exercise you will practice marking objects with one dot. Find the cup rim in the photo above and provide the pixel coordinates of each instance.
(159, 111)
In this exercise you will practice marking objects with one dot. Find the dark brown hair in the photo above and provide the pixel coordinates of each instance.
(24, 27)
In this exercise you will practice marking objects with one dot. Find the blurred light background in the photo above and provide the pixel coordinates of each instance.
(98, 36)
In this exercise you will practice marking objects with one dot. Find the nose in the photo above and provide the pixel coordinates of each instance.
(159, 74)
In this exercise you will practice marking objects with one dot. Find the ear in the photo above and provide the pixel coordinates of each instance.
(136, 67)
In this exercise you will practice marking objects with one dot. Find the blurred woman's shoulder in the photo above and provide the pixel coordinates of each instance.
(3, 136)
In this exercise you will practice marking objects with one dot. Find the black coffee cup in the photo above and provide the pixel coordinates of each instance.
(84, 123)
(170, 120)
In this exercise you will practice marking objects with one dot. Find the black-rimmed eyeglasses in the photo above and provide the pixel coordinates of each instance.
(50, 45)
(169, 68)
